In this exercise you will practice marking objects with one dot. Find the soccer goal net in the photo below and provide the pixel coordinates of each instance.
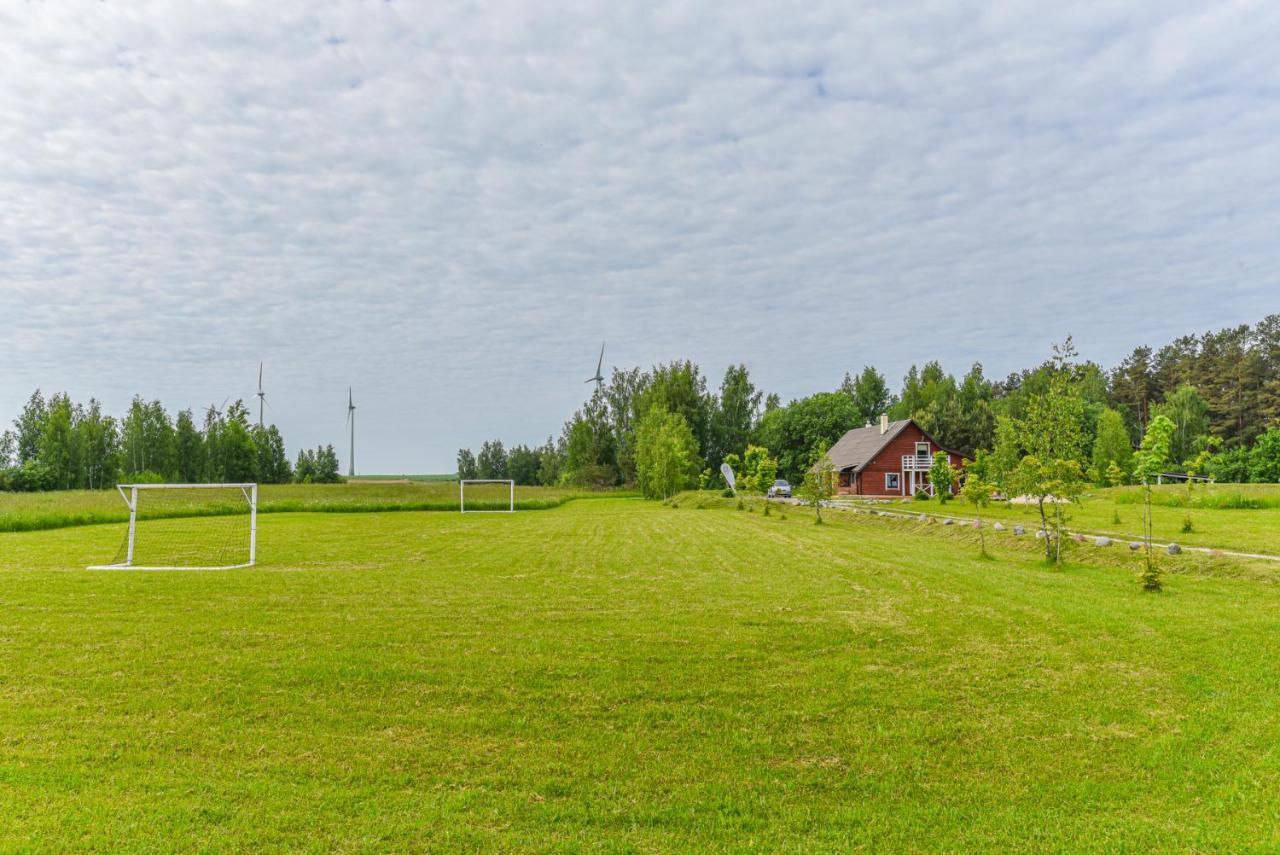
(488, 495)
(188, 527)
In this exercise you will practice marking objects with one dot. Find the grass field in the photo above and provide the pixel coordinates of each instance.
(38, 511)
(424, 478)
(1247, 529)
(621, 676)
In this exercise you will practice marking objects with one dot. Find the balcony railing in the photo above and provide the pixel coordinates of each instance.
(916, 463)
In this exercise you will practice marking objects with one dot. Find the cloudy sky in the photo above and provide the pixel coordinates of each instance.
(449, 205)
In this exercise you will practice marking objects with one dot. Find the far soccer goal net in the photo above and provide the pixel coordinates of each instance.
(489, 495)
(188, 527)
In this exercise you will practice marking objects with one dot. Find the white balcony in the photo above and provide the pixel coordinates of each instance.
(916, 463)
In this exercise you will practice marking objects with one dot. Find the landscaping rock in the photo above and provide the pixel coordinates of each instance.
(998, 527)
(1078, 538)
(1135, 545)
(1102, 541)
(1175, 549)
(976, 523)
(1017, 529)
(923, 518)
(948, 521)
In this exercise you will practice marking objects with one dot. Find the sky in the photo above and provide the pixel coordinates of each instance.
(449, 206)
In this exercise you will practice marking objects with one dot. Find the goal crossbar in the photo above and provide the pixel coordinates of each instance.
(129, 492)
(462, 495)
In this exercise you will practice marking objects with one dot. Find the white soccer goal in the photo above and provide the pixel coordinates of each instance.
(487, 502)
(188, 527)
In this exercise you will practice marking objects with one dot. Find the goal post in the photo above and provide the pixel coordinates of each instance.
(480, 509)
(188, 527)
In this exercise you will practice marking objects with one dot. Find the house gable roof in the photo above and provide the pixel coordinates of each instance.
(862, 445)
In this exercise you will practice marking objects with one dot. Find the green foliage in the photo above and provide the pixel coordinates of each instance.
(317, 467)
(272, 460)
(550, 463)
(1264, 460)
(1052, 439)
(819, 482)
(942, 475)
(523, 465)
(733, 415)
(491, 461)
(1112, 447)
(756, 471)
(1149, 463)
(189, 449)
(239, 455)
(591, 446)
(679, 387)
(1114, 475)
(1153, 457)
(1230, 466)
(666, 454)
(977, 493)
(1190, 415)
(466, 465)
(961, 417)
(870, 394)
(61, 445)
(792, 432)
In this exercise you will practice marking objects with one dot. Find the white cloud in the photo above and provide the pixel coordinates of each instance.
(449, 206)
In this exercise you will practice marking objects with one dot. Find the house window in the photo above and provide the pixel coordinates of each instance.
(922, 449)
(891, 481)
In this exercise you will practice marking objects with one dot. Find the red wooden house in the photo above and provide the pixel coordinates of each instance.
(889, 459)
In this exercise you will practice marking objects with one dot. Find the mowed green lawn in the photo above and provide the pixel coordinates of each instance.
(58, 509)
(618, 675)
(1239, 529)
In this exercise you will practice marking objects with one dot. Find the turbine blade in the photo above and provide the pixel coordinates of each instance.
(600, 364)
(259, 376)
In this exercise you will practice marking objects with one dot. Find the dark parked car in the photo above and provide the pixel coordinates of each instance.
(780, 490)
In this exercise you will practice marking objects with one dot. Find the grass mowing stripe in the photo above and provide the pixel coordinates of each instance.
(621, 675)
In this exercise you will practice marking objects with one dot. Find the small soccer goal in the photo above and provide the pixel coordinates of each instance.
(188, 527)
(487, 495)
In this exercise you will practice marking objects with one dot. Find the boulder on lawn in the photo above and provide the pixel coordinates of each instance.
(1017, 529)
(923, 518)
(998, 527)
(1135, 545)
(1102, 541)
(1078, 538)
(948, 521)
(976, 523)
(1175, 549)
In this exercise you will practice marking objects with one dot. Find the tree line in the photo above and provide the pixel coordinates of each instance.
(58, 444)
(1220, 389)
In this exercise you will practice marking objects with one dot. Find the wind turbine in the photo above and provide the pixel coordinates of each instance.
(599, 378)
(351, 420)
(262, 396)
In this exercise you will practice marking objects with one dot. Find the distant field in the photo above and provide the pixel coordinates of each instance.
(448, 476)
(36, 511)
(1217, 519)
(617, 675)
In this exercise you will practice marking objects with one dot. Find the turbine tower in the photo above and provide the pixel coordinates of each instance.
(351, 421)
(598, 379)
(261, 396)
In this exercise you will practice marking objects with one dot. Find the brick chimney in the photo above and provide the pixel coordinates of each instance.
(884, 423)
